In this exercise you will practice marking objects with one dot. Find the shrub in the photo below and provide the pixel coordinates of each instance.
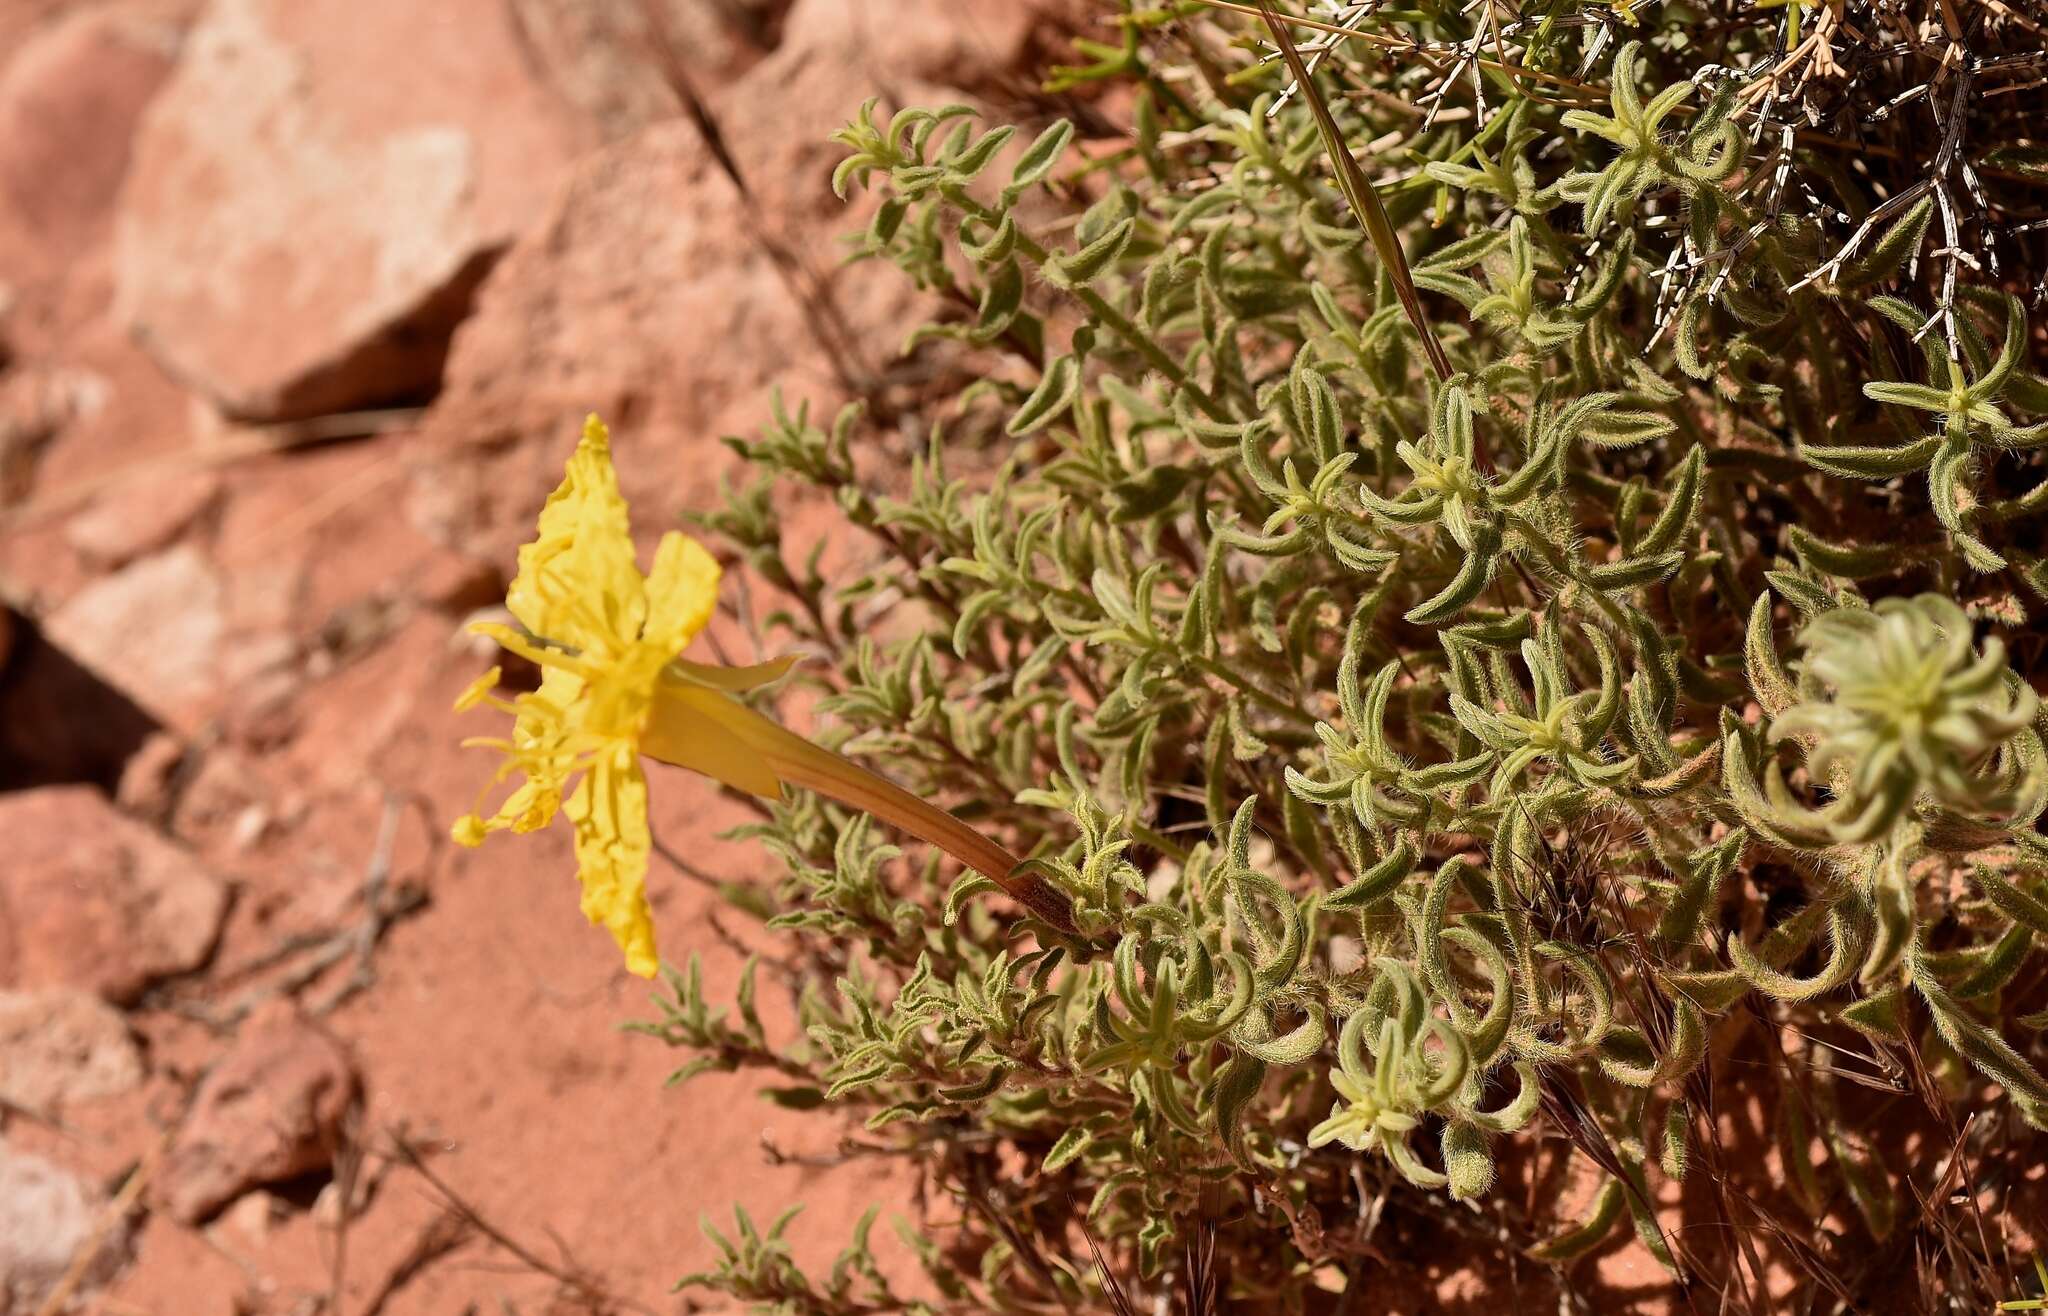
(1550, 707)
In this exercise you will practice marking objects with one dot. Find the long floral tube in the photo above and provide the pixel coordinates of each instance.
(676, 733)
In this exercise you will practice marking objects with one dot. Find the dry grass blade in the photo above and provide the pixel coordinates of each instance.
(1200, 1276)
(1112, 1287)
(1358, 190)
(1566, 1108)
(1587, 92)
(1198, 1273)
(576, 1282)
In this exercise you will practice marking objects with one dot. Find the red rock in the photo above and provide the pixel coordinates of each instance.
(886, 46)
(151, 630)
(95, 900)
(647, 296)
(69, 102)
(142, 518)
(47, 1215)
(147, 776)
(266, 595)
(296, 237)
(452, 581)
(613, 61)
(316, 192)
(36, 405)
(98, 414)
(648, 292)
(271, 1110)
(62, 1046)
(222, 783)
(640, 286)
(262, 675)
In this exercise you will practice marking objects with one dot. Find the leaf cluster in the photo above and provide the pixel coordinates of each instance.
(1416, 746)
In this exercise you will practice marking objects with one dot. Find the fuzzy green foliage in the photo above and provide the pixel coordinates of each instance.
(1417, 752)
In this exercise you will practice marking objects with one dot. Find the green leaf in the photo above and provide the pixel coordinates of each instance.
(1625, 429)
(1767, 677)
(965, 889)
(1039, 158)
(1880, 1015)
(1888, 255)
(794, 1098)
(1468, 1160)
(1577, 1242)
(1680, 508)
(1673, 1155)
(1474, 573)
(1092, 261)
(1630, 573)
(970, 162)
(1377, 882)
(1237, 1085)
(1070, 1145)
(1148, 493)
(1055, 393)
(1873, 463)
(2027, 910)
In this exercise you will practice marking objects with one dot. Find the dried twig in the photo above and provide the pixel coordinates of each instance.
(110, 1216)
(446, 1233)
(318, 951)
(573, 1278)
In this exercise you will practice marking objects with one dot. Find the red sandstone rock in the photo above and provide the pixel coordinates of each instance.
(641, 287)
(452, 581)
(655, 291)
(151, 630)
(69, 102)
(316, 192)
(47, 1216)
(63, 1045)
(617, 63)
(92, 899)
(141, 519)
(270, 1110)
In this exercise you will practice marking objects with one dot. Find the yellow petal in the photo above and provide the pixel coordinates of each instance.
(707, 732)
(578, 583)
(682, 592)
(609, 813)
(735, 679)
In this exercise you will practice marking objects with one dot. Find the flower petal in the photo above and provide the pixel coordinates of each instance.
(682, 592)
(578, 583)
(609, 813)
(733, 679)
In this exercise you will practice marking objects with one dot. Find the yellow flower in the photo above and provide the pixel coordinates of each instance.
(614, 689)
(602, 633)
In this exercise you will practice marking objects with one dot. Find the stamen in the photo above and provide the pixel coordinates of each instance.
(543, 654)
(478, 690)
